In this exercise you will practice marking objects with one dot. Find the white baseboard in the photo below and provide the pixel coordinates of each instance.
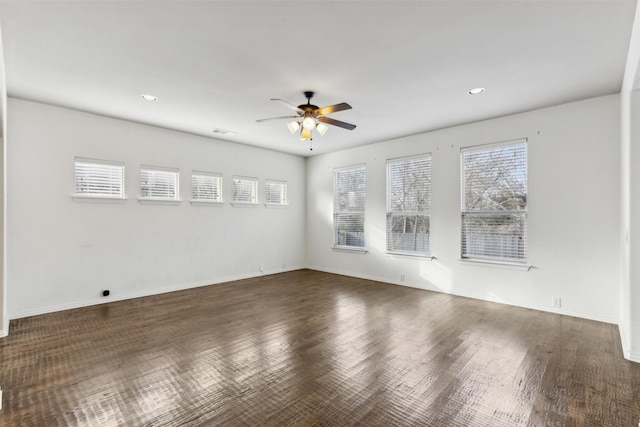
(633, 357)
(5, 322)
(142, 293)
(626, 348)
(478, 297)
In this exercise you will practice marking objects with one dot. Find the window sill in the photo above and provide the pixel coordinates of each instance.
(496, 264)
(143, 201)
(97, 199)
(244, 205)
(353, 249)
(410, 255)
(275, 205)
(205, 203)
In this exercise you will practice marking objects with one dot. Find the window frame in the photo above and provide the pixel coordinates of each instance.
(240, 203)
(158, 199)
(284, 193)
(426, 213)
(101, 196)
(520, 214)
(218, 181)
(338, 213)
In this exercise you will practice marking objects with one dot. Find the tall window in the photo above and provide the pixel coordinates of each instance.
(409, 205)
(348, 206)
(99, 178)
(276, 193)
(206, 187)
(494, 201)
(245, 190)
(158, 183)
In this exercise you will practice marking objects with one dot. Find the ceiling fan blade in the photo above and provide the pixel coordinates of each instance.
(338, 123)
(293, 107)
(332, 109)
(277, 118)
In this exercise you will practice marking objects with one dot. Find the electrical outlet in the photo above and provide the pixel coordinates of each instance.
(556, 302)
(402, 277)
(261, 269)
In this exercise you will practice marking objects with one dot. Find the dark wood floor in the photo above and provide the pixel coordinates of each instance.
(309, 348)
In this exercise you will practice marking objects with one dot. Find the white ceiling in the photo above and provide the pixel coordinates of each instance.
(404, 66)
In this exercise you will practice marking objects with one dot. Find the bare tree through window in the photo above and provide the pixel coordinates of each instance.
(494, 202)
(409, 205)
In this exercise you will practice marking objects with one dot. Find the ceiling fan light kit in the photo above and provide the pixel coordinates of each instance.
(311, 117)
(293, 126)
(322, 129)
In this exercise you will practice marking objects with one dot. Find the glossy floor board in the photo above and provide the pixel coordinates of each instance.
(310, 348)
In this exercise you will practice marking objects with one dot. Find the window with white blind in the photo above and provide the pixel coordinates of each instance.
(206, 187)
(409, 205)
(99, 178)
(494, 201)
(244, 190)
(349, 194)
(276, 193)
(159, 184)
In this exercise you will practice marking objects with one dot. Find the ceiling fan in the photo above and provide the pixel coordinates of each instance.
(311, 117)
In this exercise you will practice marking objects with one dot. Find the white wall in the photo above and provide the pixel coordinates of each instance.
(62, 253)
(624, 324)
(4, 316)
(629, 323)
(573, 216)
(630, 315)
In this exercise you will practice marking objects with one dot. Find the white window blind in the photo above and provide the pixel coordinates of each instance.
(159, 183)
(276, 193)
(99, 178)
(409, 205)
(494, 202)
(245, 190)
(349, 194)
(206, 187)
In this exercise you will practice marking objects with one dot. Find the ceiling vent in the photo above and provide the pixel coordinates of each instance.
(224, 132)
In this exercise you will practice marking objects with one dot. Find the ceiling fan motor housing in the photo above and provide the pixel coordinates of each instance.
(310, 113)
(308, 107)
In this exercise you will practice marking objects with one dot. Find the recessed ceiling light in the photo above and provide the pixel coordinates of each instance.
(224, 132)
(476, 91)
(149, 97)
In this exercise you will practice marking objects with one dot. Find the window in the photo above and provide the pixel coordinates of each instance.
(206, 187)
(162, 184)
(99, 178)
(409, 205)
(494, 201)
(276, 193)
(348, 206)
(245, 190)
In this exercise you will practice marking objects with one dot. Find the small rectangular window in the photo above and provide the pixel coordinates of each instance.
(409, 205)
(494, 201)
(276, 193)
(206, 187)
(99, 178)
(349, 185)
(158, 183)
(245, 190)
